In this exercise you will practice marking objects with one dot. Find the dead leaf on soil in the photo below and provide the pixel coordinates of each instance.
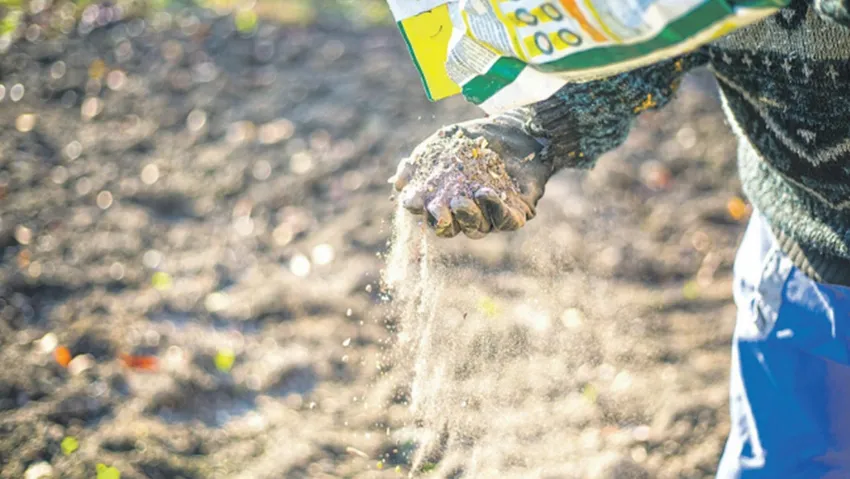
(141, 363)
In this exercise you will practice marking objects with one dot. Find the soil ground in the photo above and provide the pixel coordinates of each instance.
(174, 190)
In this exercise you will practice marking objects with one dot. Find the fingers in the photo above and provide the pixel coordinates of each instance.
(441, 220)
(530, 178)
(413, 200)
(524, 205)
(529, 194)
(461, 214)
(403, 174)
(501, 216)
(469, 217)
(487, 212)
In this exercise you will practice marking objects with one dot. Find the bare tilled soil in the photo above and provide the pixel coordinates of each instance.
(196, 220)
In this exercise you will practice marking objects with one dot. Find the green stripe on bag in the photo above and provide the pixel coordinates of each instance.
(678, 31)
(415, 61)
(506, 70)
(500, 75)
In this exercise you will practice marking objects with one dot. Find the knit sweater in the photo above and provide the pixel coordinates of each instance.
(784, 85)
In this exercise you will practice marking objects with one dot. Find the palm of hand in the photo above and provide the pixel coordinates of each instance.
(476, 178)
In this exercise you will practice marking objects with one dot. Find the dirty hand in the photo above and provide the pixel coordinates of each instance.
(443, 181)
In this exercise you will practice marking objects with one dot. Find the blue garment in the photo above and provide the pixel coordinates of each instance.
(790, 378)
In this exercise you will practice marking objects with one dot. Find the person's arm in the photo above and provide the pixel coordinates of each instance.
(835, 10)
(584, 120)
(569, 130)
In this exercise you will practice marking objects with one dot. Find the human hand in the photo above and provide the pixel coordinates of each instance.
(476, 177)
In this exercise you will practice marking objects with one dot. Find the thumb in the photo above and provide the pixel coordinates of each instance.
(404, 172)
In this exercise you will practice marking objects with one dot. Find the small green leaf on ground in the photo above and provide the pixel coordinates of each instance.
(69, 445)
(246, 21)
(691, 290)
(488, 307)
(161, 281)
(224, 360)
(590, 393)
(107, 472)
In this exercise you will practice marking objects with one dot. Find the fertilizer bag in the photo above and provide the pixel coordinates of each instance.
(502, 54)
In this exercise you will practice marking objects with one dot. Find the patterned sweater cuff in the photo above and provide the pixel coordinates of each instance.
(553, 123)
(582, 121)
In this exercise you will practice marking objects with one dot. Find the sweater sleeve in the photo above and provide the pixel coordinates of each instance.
(835, 10)
(582, 121)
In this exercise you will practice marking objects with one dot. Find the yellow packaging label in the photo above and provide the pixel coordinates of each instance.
(428, 36)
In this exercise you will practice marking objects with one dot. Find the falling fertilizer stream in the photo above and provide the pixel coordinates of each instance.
(505, 375)
(456, 354)
(416, 284)
(464, 359)
(503, 385)
(455, 357)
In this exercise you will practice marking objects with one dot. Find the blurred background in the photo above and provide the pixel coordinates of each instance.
(193, 216)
